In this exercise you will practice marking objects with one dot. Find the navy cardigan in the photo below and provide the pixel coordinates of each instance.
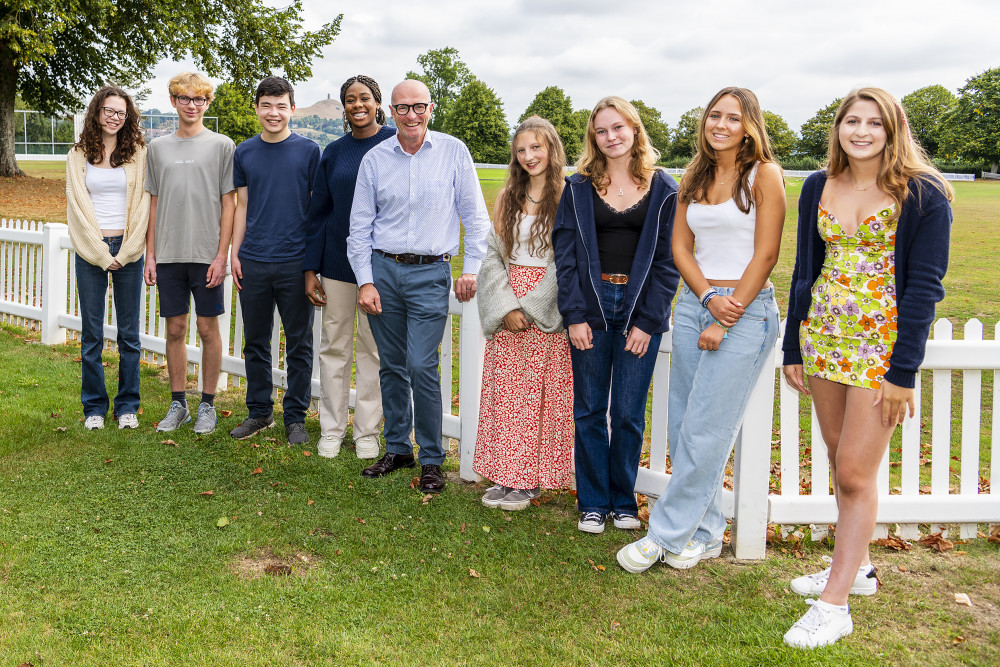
(922, 238)
(653, 278)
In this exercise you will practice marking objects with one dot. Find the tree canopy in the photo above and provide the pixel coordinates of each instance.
(974, 124)
(658, 131)
(684, 142)
(477, 118)
(926, 110)
(445, 75)
(54, 53)
(234, 109)
(782, 137)
(555, 106)
(815, 132)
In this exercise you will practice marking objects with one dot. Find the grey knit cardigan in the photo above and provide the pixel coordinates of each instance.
(496, 297)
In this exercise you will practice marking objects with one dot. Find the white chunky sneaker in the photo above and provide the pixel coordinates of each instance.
(822, 625)
(692, 554)
(865, 583)
(367, 447)
(94, 422)
(127, 420)
(329, 446)
(640, 556)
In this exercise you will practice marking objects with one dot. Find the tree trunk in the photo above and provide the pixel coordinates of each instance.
(8, 90)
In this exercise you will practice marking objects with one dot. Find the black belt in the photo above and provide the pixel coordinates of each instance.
(410, 258)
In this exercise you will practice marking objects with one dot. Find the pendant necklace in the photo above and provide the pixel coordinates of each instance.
(530, 198)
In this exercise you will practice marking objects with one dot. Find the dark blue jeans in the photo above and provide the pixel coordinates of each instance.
(408, 334)
(267, 285)
(92, 287)
(607, 463)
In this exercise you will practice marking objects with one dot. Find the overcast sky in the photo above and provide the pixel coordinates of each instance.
(797, 56)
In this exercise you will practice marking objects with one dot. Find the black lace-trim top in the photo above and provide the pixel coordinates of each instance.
(618, 233)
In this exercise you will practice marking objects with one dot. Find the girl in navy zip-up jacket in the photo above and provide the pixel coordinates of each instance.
(616, 282)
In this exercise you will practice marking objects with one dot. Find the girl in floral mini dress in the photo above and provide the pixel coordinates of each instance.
(872, 252)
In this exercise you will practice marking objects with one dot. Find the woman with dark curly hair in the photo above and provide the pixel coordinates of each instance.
(107, 212)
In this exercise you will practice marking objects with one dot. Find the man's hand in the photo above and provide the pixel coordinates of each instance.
(216, 272)
(465, 287)
(237, 271)
(314, 289)
(149, 271)
(368, 299)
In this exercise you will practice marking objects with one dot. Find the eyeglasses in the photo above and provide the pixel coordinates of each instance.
(111, 113)
(419, 108)
(184, 100)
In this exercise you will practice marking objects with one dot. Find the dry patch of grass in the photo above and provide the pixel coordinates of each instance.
(29, 198)
(266, 563)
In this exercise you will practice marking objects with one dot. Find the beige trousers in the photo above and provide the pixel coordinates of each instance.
(335, 355)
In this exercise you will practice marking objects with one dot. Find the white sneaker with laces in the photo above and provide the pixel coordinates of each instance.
(329, 446)
(128, 420)
(640, 556)
(94, 422)
(692, 554)
(591, 522)
(822, 625)
(367, 447)
(626, 521)
(865, 583)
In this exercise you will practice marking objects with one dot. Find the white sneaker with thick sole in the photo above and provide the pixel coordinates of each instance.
(518, 499)
(128, 420)
(692, 554)
(865, 583)
(367, 447)
(626, 521)
(822, 625)
(329, 446)
(640, 556)
(94, 423)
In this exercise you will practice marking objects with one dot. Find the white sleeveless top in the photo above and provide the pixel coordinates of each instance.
(521, 255)
(107, 191)
(723, 236)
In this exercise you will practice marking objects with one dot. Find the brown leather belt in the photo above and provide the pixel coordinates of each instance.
(410, 258)
(615, 278)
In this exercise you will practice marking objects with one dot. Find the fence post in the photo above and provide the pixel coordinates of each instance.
(55, 278)
(471, 344)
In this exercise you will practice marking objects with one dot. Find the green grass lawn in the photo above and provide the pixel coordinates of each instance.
(110, 553)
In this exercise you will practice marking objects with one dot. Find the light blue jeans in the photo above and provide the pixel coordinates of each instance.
(709, 393)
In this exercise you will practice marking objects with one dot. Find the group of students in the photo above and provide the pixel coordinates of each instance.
(578, 280)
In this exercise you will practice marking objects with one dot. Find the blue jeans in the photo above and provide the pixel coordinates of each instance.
(267, 285)
(709, 393)
(607, 463)
(407, 334)
(92, 287)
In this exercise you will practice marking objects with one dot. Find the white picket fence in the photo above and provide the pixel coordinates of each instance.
(37, 288)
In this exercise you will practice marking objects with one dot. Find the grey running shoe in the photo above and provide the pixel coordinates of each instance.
(251, 426)
(206, 421)
(518, 499)
(495, 494)
(177, 415)
(296, 432)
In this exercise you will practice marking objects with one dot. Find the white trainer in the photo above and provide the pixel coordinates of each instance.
(865, 583)
(128, 420)
(94, 422)
(692, 554)
(367, 447)
(822, 625)
(329, 446)
(626, 521)
(640, 556)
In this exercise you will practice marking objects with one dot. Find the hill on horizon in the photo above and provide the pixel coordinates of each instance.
(328, 108)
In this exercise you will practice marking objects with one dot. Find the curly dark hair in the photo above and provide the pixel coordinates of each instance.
(129, 136)
(370, 83)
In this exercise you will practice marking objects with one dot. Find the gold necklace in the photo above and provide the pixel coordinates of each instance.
(857, 189)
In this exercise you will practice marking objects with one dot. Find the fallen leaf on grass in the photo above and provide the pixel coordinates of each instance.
(615, 625)
(169, 442)
(257, 471)
(226, 413)
(360, 520)
(963, 598)
(903, 568)
(486, 529)
(894, 543)
(60, 429)
(473, 573)
(643, 514)
(304, 453)
(309, 503)
(108, 460)
(596, 567)
(414, 482)
(278, 569)
(53, 414)
(222, 522)
(957, 640)
(206, 493)
(936, 542)
(270, 440)
(426, 500)
(995, 534)
(462, 529)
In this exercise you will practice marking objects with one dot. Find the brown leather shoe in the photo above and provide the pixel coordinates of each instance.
(431, 479)
(388, 463)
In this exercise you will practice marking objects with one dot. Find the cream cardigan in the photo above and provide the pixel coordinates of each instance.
(84, 230)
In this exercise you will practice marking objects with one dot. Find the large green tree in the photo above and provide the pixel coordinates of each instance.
(658, 131)
(234, 108)
(684, 142)
(555, 106)
(445, 75)
(815, 132)
(477, 118)
(926, 110)
(55, 52)
(973, 127)
(782, 137)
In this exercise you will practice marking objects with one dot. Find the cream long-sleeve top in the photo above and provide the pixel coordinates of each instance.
(84, 230)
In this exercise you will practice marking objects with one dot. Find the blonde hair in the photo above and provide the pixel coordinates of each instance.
(594, 164)
(756, 147)
(902, 158)
(199, 83)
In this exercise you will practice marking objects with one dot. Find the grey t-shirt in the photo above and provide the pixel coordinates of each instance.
(188, 176)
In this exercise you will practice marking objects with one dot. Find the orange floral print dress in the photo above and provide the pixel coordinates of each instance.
(851, 328)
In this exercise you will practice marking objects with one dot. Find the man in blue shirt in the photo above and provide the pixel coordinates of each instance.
(273, 173)
(414, 191)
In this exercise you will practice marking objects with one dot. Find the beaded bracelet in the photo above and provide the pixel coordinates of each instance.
(725, 329)
(707, 296)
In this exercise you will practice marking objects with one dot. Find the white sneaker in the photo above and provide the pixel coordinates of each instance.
(822, 625)
(494, 495)
(626, 521)
(329, 446)
(640, 556)
(367, 447)
(94, 422)
(692, 554)
(591, 522)
(127, 420)
(865, 583)
(519, 499)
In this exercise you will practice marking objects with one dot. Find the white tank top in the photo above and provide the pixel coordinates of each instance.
(723, 237)
(107, 191)
(521, 255)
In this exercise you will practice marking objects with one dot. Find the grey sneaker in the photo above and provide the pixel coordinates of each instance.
(206, 421)
(296, 432)
(518, 499)
(495, 494)
(251, 426)
(177, 415)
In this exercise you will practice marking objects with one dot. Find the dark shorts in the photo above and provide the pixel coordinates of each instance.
(175, 281)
